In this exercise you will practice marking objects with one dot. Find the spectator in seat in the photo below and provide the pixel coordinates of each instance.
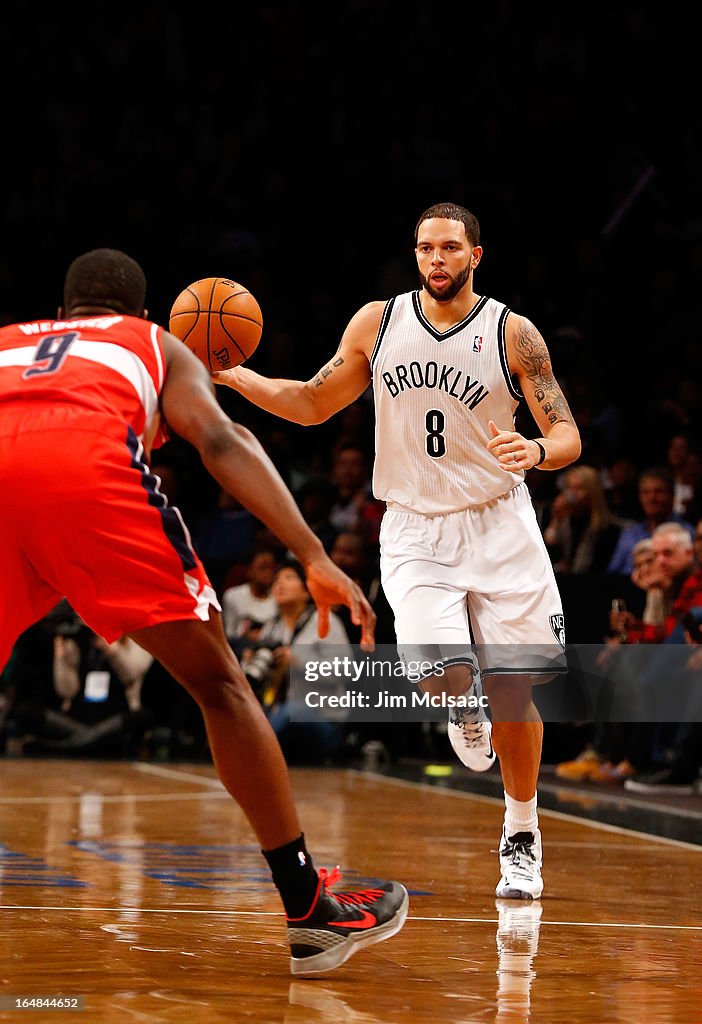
(354, 508)
(95, 708)
(619, 480)
(224, 536)
(672, 582)
(677, 453)
(247, 606)
(289, 638)
(582, 531)
(679, 774)
(656, 496)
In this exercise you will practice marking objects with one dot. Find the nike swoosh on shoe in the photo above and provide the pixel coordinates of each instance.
(367, 921)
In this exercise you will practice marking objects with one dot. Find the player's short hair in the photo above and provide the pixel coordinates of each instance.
(105, 277)
(451, 211)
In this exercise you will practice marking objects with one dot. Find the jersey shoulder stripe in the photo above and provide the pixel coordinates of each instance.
(116, 357)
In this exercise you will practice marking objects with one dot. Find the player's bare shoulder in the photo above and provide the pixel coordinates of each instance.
(356, 347)
(362, 330)
(529, 358)
(526, 348)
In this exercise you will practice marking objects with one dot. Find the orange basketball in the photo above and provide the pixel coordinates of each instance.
(219, 320)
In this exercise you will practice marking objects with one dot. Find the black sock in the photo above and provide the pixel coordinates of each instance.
(294, 876)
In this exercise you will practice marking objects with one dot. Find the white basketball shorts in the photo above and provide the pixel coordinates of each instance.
(476, 581)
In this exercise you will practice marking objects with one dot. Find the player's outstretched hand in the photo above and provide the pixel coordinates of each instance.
(227, 377)
(328, 586)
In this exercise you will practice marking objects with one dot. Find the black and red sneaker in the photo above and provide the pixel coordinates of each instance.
(340, 923)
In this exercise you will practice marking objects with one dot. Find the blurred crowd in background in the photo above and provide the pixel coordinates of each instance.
(294, 152)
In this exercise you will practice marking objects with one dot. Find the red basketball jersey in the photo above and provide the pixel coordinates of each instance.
(84, 518)
(112, 366)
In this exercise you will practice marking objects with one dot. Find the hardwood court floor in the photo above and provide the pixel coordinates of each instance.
(140, 888)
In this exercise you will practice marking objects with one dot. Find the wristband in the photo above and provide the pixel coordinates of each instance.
(542, 450)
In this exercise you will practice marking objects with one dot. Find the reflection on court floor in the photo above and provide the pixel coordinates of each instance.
(141, 889)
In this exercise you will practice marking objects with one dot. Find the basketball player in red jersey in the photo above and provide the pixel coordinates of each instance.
(81, 401)
(462, 557)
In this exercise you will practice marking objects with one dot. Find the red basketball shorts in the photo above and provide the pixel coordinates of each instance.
(82, 518)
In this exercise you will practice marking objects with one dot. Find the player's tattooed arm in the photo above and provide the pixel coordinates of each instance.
(535, 367)
(327, 371)
(530, 363)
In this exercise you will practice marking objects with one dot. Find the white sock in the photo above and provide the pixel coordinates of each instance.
(520, 815)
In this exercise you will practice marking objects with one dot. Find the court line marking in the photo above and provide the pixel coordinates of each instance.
(177, 773)
(216, 789)
(572, 924)
(637, 800)
(587, 822)
(641, 925)
(122, 798)
(475, 841)
(603, 826)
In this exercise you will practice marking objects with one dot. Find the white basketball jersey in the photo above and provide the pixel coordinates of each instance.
(434, 394)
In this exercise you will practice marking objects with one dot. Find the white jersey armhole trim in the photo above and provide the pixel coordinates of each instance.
(159, 356)
(384, 321)
(502, 347)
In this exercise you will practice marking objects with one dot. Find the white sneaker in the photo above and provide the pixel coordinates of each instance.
(470, 734)
(520, 863)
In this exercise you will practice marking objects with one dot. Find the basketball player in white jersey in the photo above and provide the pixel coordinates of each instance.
(462, 557)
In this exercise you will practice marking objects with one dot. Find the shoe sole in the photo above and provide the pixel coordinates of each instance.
(508, 893)
(482, 767)
(339, 954)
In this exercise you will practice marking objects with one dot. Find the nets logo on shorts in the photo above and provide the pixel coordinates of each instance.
(558, 628)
